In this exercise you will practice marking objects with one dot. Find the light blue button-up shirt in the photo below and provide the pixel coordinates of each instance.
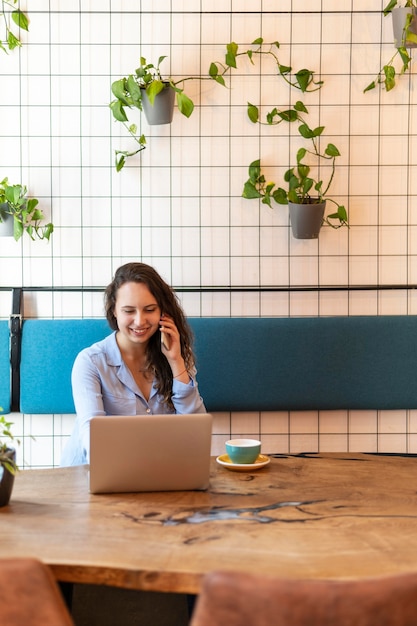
(103, 385)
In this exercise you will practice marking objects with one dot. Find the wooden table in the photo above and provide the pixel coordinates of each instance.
(314, 515)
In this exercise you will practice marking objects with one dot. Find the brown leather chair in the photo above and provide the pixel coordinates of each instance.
(237, 599)
(30, 596)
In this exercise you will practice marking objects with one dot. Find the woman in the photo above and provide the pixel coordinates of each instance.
(133, 372)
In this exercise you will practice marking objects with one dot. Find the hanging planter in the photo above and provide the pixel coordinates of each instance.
(147, 91)
(7, 477)
(161, 111)
(20, 214)
(404, 27)
(6, 222)
(404, 24)
(306, 218)
(8, 467)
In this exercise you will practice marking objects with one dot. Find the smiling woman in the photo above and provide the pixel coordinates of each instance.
(131, 372)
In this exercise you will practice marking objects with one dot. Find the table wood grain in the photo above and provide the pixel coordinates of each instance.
(338, 516)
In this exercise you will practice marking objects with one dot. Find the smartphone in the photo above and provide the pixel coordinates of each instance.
(165, 341)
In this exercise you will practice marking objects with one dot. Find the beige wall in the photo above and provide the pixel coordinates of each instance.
(178, 205)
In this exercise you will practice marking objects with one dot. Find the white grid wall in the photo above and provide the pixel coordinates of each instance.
(178, 204)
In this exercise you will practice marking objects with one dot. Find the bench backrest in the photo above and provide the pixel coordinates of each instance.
(252, 364)
(5, 390)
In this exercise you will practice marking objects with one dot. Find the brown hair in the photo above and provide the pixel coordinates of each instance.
(168, 303)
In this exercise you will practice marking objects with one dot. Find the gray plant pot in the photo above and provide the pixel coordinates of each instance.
(7, 480)
(162, 110)
(306, 219)
(7, 222)
(399, 16)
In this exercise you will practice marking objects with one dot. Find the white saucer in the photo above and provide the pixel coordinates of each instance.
(261, 461)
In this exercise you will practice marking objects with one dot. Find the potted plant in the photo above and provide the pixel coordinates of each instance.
(147, 91)
(8, 467)
(305, 195)
(404, 22)
(19, 214)
(20, 19)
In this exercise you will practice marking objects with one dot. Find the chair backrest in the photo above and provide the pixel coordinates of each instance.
(30, 596)
(238, 599)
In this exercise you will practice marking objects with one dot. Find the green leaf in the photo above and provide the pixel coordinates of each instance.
(118, 111)
(307, 185)
(405, 57)
(280, 196)
(293, 196)
(267, 200)
(155, 87)
(294, 183)
(342, 213)
(301, 154)
(304, 78)
(284, 69)
(370, 86)
(120, 161)
(389, 72)
(305, 131)
(390, 6)
(48, 230)
(17, 229)
(331, 150)
(232, 49)
(253, 113)
(288, 175)
(411, 37)
(118, 89)
(249, 191)
(289, 116)
(213, 70)
(20, 19)
(299, 106)
(270, 116)
(258, 42)
(303, 171)
(254, 170)
(12, 41)
(185, 104)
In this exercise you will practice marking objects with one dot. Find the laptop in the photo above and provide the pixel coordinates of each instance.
(150, 453)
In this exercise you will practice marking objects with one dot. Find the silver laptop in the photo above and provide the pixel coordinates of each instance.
(150, 453)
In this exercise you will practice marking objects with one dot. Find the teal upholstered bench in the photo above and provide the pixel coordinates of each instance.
(251, 364)
(5, 386)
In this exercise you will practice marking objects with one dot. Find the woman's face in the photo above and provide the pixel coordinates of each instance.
(137, 313)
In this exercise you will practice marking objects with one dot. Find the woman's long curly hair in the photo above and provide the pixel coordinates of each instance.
(167, 300)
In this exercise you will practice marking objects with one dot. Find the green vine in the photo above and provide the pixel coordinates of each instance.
(19, 19)
(388, 73)
(128, 90)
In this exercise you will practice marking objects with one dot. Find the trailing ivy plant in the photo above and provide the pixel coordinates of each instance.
(302, 79)
(128, 90)
(301, 186)
(11, 13)
(24, 211)
(128, 94)
(387, 74)
(7, 439)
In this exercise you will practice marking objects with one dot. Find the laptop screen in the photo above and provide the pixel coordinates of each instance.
(150, 452)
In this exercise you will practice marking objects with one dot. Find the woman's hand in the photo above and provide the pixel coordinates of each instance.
(171, 348)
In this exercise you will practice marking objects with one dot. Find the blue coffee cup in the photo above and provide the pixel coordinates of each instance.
(243, 451)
